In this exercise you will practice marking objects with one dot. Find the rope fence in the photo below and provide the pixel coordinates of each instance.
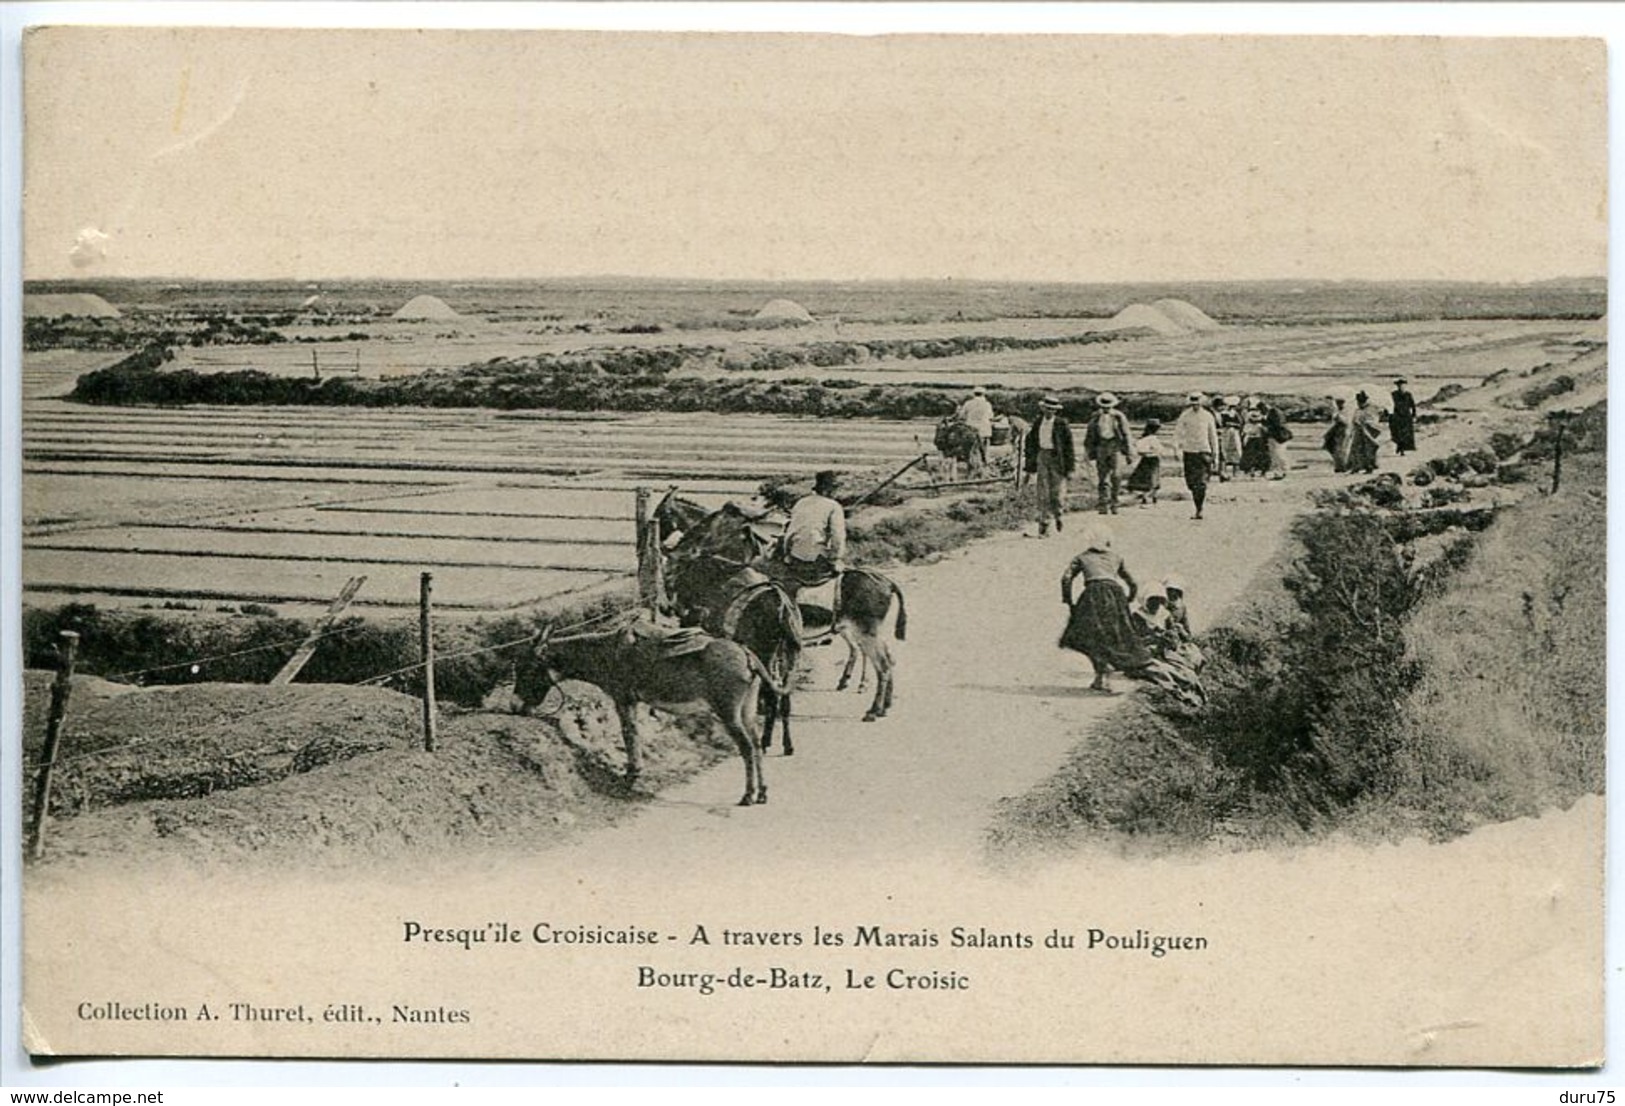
(648, 575)
(201, 661)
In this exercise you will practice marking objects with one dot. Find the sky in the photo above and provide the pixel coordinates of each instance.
(311, 155)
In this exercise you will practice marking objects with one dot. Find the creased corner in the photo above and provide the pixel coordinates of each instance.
(33, 1040)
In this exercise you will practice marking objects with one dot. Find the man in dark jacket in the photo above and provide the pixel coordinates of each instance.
(1402, 418)
(1050, 458)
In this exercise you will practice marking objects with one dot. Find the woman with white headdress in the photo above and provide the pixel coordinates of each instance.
(1163, 621)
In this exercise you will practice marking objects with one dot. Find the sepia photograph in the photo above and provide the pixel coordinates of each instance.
(924, 548)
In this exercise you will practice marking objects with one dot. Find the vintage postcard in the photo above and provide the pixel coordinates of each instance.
(972, 549)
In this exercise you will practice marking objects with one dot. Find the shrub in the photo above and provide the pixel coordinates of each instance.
(1537, 394)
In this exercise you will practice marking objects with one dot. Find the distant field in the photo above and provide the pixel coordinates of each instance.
(1304, 360)
(53, 372)
(224, 506)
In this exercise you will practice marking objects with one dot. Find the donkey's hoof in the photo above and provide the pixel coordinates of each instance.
(870, 716)
(842, 685)
(747, 800)
(789, 752)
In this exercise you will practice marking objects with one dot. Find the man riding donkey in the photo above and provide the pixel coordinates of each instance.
(705, 549)
(813, 547)
(812, 551)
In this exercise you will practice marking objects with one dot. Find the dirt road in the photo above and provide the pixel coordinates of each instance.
(986, 705)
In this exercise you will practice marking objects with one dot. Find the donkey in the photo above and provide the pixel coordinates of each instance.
(863, 596)
(959, 445)
(743, 605)
(681, 672)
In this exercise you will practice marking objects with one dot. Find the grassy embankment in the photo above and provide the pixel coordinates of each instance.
(1396, 670)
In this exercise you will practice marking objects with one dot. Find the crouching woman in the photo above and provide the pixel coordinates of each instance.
(1099, 625)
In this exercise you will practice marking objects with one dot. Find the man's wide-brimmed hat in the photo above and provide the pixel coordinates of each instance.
(1231, 401)
(1153, 425)
(1106, 399)
(1360, 397)
(825, 480)
(1401, 380)
(1050, 403)
(978, 391)
(1194, 397)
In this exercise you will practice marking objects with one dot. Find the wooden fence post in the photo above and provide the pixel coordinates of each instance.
(53, 735)
(308, 647)
(649, 567)
(657, 570)
(426, 632)
(1557, 419)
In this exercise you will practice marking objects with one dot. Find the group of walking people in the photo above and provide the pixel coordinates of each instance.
(1211, 439)
(1355, 432)
(1145, 633)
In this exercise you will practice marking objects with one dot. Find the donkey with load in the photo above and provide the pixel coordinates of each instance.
(678, 671)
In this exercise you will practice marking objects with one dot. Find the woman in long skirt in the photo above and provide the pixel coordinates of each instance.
(1336, 441)
(1255, 447)
(1230, 438)
(1099, 624)
(1146, 479)
(1277, 434)
(1365, 432)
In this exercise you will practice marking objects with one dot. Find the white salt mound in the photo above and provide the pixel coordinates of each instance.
(426, 307)
(1143, 316)
(788, 310)
(1187, 315)
(50, 305)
